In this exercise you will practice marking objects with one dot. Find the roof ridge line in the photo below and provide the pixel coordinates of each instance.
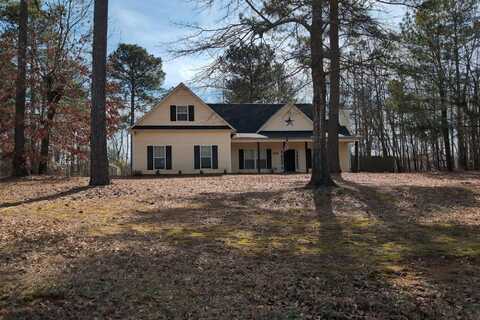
(280, 104)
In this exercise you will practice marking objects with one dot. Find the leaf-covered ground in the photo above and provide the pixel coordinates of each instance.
(381, 246)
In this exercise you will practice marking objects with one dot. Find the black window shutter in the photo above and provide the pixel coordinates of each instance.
(150, 157)
(191, 113)
(173, 113)
(168, 151)
(309, 158)
(241, 158)
(214, 157)
(196, 157)
(269, 158)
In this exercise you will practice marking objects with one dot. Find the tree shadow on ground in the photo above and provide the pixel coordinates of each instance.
(35, 179)
(454, 176)
(260, 255)
(415, 231)
(49, 197)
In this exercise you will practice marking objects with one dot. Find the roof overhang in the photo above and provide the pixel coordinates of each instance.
(247, 137)
(199, 127)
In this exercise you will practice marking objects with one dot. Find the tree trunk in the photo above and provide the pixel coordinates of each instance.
(462, 157)
(462, 150)
(45, 143)
(320, 173)
(98, 142)
(333, 123)
(53, 97)
(132, 122)
(19, 157)
(445, 131)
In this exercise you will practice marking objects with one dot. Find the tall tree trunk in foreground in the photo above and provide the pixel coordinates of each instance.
(333, 157)
(132, 123)
(445, 129)
(320, 173)
(53, 97)
(19, 158)
(98, 143)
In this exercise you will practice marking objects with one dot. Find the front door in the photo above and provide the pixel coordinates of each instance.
(289, 160)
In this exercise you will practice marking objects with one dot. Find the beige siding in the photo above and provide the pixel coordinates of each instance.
(160, 115)
(182, 142)
(277, 122)
(277, 165)
(300, 121)
(344, 155)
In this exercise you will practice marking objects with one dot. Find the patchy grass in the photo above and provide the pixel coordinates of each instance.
(381, 246)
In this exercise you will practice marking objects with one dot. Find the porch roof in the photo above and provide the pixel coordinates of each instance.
(275, 136)
(249, 136)
(290, 135)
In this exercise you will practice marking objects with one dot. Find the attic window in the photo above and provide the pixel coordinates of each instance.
(182, 113)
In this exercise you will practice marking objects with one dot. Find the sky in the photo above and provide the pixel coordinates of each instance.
(152, 24)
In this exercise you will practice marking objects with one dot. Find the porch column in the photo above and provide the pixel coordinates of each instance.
(283, 155)
(306, 156)
(258, 157)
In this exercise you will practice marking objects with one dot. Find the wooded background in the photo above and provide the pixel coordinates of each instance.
(412, 89)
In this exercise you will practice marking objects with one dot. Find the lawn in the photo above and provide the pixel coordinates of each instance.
(381, 246)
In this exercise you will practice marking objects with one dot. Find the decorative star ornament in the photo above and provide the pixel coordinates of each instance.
(289, 121)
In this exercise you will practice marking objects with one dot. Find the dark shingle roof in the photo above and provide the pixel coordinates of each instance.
(246, 117)
(306, 108)
(249, 117)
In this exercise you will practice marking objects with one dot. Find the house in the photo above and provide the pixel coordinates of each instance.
(183, 134)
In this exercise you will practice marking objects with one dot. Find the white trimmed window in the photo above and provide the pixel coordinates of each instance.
(249, 160)
(159, 157)
(182, 113)
(262, 164)
(206, 157)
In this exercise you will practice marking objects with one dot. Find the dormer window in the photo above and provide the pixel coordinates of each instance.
(182, 113)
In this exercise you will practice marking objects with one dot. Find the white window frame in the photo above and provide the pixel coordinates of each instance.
(211, 157)
(182, 113)
(245, 151)
(160, 157)
(263, 152)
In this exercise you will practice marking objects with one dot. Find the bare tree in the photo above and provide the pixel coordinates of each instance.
(333, 124)
(61, 26)
(320, 171)
(98, 144)
(300, 25)
(19, 158)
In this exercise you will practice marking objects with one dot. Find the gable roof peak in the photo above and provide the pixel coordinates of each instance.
(181, 85)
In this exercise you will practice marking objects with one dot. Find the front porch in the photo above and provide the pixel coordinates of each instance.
(270, 156)
(257, 153)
